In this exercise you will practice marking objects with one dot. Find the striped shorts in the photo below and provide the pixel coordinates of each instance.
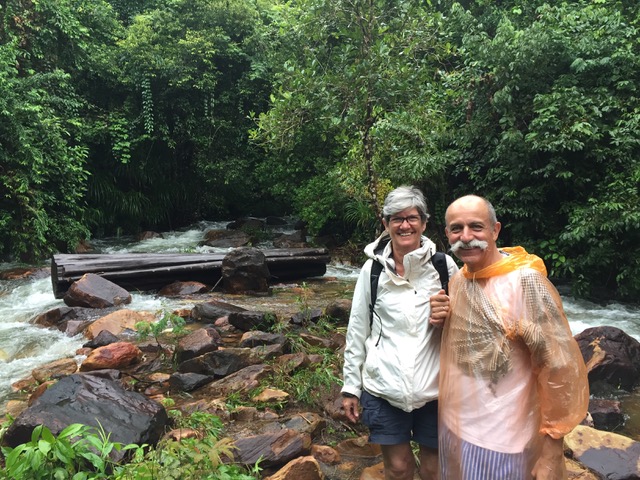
(476, 463)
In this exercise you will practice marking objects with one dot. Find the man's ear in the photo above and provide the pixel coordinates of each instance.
(496, 230)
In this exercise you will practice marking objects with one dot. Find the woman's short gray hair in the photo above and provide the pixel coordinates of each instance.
(402, 198)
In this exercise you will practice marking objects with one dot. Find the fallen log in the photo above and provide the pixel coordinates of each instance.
(152, 271)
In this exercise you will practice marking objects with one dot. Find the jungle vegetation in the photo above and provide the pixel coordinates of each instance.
(119, 116)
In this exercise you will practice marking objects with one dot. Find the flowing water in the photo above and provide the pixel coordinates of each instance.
(25, 346)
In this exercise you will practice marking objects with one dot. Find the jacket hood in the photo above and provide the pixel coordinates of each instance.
(380, 249)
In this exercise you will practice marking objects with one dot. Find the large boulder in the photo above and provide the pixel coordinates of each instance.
(128, 417)
(611, 456)
(612, 358)
(93, 291)
(245, 271)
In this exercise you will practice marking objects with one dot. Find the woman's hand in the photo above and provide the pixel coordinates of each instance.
(351, 408)
(439, 308)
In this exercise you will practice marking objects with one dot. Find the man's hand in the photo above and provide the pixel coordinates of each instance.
(439, 308)
(351, 408)
(550, 464)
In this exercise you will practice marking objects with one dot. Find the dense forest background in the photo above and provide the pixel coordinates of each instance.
(125, 115)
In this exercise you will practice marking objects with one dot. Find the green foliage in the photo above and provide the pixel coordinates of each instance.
(306, 386)
(206, 456)
(81, 453)
(76, 453)
(346, 104)
(546, 103)
(168, 323)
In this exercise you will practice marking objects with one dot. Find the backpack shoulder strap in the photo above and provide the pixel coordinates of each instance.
(439, 260)
(376, 269)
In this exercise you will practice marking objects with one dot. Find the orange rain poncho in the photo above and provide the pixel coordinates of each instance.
(511, 371)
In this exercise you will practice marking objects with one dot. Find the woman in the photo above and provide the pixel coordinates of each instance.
(391, 360)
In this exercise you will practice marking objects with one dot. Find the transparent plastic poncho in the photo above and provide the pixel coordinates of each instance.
(511, 371)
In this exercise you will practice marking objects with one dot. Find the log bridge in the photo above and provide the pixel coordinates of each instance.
(152, 271)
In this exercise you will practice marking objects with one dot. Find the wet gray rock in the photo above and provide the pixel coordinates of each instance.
(128, 417)
(93, 291)
(245, 271)
(247, 320)
(272, 449)
(198, 342)
(612, 357)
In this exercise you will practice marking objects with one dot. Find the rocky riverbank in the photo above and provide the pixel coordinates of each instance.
(272, 377)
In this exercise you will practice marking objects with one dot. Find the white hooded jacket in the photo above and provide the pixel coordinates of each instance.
(397, 358)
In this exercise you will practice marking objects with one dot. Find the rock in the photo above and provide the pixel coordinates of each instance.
(56, 318)
(339, 310)
(326, 454)
(177, 289)
(309, 315)
(93, 291)
(244, 270)
(127, 417)
(247, 224)
(113, 356)
(198, 342)
(374, 472)
(359, 447)
(272, 449)
(606, 414)
(148, 235)
(609, 455)
(306, 422)
(211, 311)
(118, 322)
(297, 239)
(20, 273)
(302, 468)
(256, 338)
(104, 338)
(316, 341)
(54, 370)
(187, 382)
(246, 321)
(226, 238)
(271, 395)
(243, 380)
(575, 471)
(292, 362)
(612, 358)
(220, 362)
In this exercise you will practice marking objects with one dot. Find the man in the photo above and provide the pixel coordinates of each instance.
(512, 379)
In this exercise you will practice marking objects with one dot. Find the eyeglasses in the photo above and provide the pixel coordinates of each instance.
(411, 220)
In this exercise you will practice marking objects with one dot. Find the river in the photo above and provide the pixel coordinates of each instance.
(24, 346)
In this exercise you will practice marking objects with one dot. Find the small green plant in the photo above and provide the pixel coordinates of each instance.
(205, 457)
(303, 301)
(168, 321)
(77, 453)
(307, 385)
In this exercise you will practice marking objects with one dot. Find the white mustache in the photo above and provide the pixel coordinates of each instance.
(481, 244)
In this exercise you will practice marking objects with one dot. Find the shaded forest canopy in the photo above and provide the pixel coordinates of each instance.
(121, 116)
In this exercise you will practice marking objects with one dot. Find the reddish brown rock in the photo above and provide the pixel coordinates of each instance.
(326, 454)
(302, 468)
(116, 355)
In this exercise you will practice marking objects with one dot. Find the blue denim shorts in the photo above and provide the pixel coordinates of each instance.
(389, 425)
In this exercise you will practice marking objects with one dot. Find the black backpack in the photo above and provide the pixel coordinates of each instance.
(439, 261)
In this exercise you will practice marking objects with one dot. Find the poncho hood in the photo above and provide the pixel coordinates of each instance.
(516, 258)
